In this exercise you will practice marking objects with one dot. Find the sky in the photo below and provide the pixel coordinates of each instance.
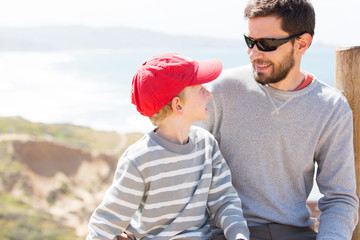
(27, 78)
(336, 20)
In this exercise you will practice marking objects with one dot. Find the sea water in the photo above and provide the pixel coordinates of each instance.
(92, 87)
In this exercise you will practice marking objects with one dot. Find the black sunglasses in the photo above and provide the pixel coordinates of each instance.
(268, 44)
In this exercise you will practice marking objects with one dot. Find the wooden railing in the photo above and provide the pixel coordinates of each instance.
(347, 80)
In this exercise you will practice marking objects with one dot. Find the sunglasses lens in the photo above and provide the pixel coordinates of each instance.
(268, 44)
(249, 42)
(265, 46)
(261, 44)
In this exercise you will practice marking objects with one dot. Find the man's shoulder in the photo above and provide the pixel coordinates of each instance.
(330, 94)
(234, 76)
(241, 72)
(327, 98)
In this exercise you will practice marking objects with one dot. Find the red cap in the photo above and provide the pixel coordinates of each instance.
(163, 77)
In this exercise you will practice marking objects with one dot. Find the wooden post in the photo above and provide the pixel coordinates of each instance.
(347, 80)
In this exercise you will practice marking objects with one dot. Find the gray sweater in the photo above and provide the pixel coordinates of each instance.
(271, 139)
(163, 190)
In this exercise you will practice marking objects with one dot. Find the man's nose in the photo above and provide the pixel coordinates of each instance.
(254, 53)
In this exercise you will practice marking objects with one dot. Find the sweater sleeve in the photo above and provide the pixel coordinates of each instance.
(336, 180)
(119, 204)
(223, 202)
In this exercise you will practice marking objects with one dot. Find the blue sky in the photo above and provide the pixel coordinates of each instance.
(26, 90)
(337, 20)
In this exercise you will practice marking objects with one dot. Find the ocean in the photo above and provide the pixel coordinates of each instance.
(92, 87)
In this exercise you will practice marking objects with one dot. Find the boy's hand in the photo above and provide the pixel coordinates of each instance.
(122, 236)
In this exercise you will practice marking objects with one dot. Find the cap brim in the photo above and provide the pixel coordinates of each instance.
(208, 71)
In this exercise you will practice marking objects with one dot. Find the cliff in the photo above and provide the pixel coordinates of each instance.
(47, 175)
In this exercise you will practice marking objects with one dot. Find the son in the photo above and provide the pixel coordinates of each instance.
(173, 183)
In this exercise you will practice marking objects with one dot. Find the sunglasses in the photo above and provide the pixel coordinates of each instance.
(268, 44)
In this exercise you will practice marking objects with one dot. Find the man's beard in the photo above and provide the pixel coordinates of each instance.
(280, 70)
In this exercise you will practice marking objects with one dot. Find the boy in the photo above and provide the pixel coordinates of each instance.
(173, 183)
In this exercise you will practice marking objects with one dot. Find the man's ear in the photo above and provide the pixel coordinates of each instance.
(303, 43)
(177, 106)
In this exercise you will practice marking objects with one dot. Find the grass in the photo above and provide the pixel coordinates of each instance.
(20, 221)
(7, 163)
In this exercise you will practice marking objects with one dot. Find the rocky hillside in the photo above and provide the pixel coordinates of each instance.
(53, 176)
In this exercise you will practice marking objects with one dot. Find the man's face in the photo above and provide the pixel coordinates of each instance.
(273, 66)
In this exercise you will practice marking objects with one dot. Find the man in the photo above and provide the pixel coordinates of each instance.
(274, 122)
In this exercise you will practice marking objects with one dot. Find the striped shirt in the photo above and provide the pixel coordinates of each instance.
(163, 190)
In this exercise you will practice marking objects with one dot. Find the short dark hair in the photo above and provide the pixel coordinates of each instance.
(297, 16)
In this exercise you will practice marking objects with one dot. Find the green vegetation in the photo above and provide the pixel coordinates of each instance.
(78, 136)
(20, 221)
(7, 163)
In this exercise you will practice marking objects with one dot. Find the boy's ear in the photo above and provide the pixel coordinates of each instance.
(177, 106)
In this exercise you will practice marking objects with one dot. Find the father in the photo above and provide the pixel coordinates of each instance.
(274, 122)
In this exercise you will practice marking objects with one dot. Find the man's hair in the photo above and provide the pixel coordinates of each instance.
(165, 111)
(297, 16)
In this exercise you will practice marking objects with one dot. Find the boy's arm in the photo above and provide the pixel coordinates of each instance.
(223, 203)
(119, 204)
(122, 236)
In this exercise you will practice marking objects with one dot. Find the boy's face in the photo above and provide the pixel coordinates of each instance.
(195, 101)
